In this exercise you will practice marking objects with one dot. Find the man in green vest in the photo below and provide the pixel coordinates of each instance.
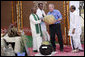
(35, 29)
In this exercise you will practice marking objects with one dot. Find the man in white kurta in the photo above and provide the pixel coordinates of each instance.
(75, 29)
(35, 29)
(40, 12)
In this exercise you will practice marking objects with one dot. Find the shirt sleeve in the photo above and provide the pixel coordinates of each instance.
(59, 14)
(32, 20)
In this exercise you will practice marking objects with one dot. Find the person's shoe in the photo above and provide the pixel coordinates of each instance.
(75, 51)
(54, 50)
(61, 50)
(35, 51)
(15, 54)
(81, 50)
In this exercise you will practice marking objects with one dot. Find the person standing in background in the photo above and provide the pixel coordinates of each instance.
(40, 12)
(75, 30)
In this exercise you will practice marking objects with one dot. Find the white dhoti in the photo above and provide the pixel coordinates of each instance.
(37, 40)
(75, 39)
(77, 42)
(44, 32)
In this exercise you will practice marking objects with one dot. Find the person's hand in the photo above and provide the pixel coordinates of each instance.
(46, 23)
(73, 31)
(58, 20)
(55, 21)
(42, 20)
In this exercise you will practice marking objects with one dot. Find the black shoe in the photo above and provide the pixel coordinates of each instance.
(54, 49)
(15, 54)
(61, 50)
(35, 51)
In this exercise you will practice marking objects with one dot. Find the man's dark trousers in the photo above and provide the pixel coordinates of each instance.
(56, 29)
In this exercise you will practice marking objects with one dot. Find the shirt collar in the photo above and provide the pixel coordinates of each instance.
(52, 11)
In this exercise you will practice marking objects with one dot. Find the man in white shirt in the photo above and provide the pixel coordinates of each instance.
(35, 29)
(75, 30)
(41, 14)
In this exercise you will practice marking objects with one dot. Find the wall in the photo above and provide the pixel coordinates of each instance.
(5, 13)
(6, 17)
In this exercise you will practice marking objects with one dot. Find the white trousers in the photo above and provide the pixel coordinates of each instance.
(44, 32)
(37, 40)
(75, 41)
(75, 38)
